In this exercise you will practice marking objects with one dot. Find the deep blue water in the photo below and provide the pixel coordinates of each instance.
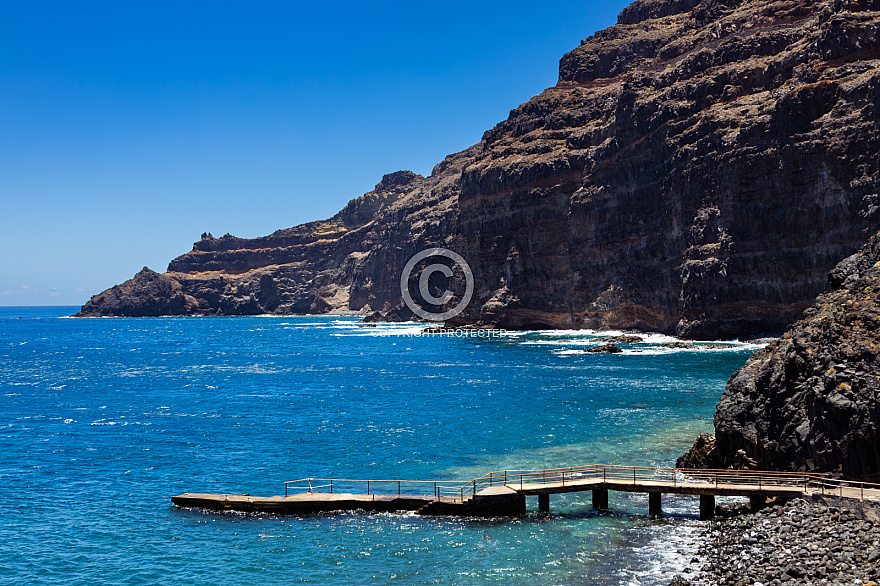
(103, 420)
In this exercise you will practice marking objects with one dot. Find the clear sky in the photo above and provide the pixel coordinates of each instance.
(129, 128)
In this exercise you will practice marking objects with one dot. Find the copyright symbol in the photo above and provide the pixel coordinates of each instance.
(424, 289)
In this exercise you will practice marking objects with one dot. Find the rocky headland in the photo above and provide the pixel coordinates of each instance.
(697, 170)
(809, 401)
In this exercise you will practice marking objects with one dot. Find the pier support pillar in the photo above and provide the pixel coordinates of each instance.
(757, 502)
(600, 499)
(707, 506)
(544, 503)
(654, 508)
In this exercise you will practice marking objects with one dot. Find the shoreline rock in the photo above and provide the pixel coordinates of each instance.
(824, 541)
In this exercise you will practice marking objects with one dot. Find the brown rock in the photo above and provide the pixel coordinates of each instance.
(701, 455)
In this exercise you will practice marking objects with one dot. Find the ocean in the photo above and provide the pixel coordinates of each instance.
(103, 420)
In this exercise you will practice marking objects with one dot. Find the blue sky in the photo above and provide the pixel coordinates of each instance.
(129, 128)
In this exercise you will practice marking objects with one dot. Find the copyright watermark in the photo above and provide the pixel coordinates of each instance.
(425, 288)
(457, 333)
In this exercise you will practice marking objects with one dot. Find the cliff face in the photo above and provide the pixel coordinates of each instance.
(810, 400)
(697, 170)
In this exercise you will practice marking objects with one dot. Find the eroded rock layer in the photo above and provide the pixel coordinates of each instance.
(697, 170)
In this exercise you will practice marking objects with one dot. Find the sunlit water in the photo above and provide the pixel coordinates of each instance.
(103, 420)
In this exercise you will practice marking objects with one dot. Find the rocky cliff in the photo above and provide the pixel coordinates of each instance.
(810, 400)
(698, 169)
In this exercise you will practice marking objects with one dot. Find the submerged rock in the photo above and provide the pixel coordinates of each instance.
(604, 349)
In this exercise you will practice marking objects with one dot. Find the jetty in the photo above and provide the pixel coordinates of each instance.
(504, 493)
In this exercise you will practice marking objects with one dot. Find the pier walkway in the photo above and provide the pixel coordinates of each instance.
(503, 493)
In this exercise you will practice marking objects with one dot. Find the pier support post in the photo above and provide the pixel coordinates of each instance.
(600, 499)
(757, 502)
(544, 503)
(707, 506)
(654, 508)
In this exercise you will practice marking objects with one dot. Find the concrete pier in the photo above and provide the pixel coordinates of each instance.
(707, 506)
(654, 507)
(600, 499)
(544, 503)
(504, 493)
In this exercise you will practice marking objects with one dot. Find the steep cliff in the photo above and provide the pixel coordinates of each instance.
(697, 170)
(810, 400)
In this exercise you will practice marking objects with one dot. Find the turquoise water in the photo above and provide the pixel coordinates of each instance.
(102, 420)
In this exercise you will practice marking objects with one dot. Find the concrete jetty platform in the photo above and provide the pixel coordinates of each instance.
(301, 504)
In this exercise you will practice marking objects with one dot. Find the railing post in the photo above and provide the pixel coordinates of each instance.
(505, 478)
(368, 487)
(398, 488)
(862, 490)
(520, 481)
(603, 473)
(285, 489)
(716, 480)
(563, 478)
(634, 474)
(310, 485)
(475, 488)
(331, 487)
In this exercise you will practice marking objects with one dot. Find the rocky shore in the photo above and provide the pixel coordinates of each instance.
(831, 541)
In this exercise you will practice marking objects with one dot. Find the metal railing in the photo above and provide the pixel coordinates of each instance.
(381, 487)
(452, 490)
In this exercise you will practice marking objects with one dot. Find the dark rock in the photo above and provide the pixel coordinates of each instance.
(398, 314)
(679, 581)
(680, 345)
(604, 349)
(147, 294)
(701, 455)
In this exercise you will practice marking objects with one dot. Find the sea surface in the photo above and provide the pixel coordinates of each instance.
(103, 420)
